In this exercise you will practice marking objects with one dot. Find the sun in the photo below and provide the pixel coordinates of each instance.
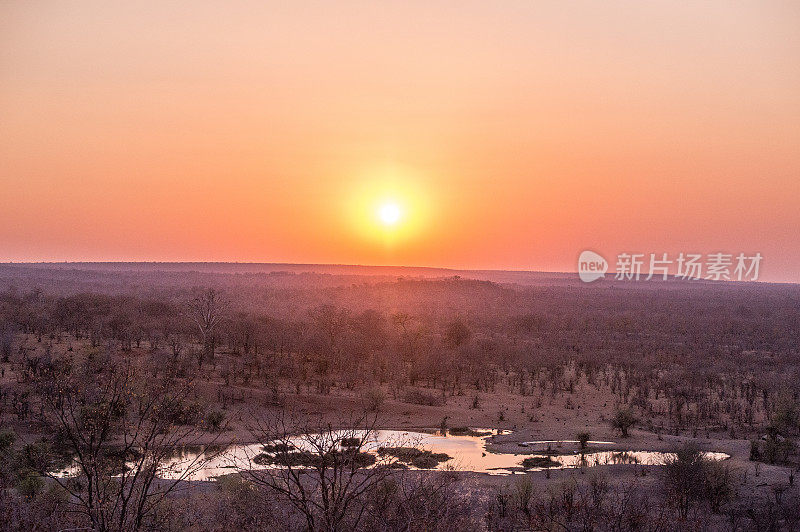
(387, 210)
(390, 213)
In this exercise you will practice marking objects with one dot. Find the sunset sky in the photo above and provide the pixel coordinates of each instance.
(504, 135)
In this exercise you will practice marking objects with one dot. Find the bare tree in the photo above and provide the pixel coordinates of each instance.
(120, 432)
(412, 333)
(207, 311)
(326, 474)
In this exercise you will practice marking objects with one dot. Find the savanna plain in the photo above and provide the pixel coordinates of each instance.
(285, 397)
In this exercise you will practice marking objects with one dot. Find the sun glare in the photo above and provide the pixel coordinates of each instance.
(388, 210)
(390, 213)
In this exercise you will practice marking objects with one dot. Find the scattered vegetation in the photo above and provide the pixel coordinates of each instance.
(112, 374)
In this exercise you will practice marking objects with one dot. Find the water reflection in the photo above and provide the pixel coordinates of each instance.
(468, 453)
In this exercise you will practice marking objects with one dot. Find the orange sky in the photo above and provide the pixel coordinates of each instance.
(518, 133)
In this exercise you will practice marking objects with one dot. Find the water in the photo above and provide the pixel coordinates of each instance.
(468, 454)
(602, 458)
(549, 444)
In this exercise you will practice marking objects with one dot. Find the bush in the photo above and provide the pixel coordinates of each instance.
(214, 420)
(35, 456)
(755, 450)
(416, 457)
(314, 459)
(623, 420)
(374, 398)
(7, 438)
(263, 459)
(682, 477)
(773, 449)
(234, 485)
(180, 412)
(689, 476)
(718, 486)
(423, 502)
(276, 448)
(777, 450)
(425, 462)
(360, 459)
(30, 484)
(466, 431)
(418, 397)
(539, 461)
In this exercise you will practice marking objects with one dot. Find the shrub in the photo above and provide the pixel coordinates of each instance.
(416, 457)
(374, 398)
(524, 495)
(30, 484)
(539, 461)
(466, 431)
(777, 450)
(7, 438)
(718, 487)
(263, 459)
(418, 397)
(276, 447)
(180, 412)
(314, 459)
(425, 462)
(689, 476)
(36, 456)
(755, 450)
(233, 484)
(623, 420)
(214, 420)
(360, 459)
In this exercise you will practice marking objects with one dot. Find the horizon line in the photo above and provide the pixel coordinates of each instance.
(332, 264)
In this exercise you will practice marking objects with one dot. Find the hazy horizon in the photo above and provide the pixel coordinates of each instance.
(368, 270)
